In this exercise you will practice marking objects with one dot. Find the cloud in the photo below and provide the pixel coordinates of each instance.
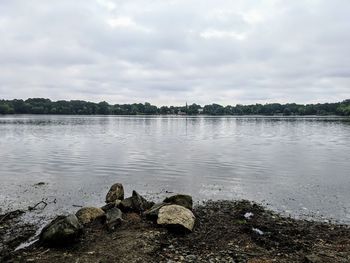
(169, 52)
(212, 33)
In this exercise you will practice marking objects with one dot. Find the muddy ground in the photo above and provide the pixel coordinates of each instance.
(225, 231)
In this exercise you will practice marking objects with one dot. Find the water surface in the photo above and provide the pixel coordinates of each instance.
(300, 166)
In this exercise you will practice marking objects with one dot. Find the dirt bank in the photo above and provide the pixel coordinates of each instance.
(13, 232)
(225, 231)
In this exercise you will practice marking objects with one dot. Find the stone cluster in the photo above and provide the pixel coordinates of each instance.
(174, 213)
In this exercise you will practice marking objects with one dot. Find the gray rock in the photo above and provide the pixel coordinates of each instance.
(127, 205)
(135, 203)
(89, 214)
(176, 217)
(152, 213)
(140, 203)
(108, 206)
(114, 217)
(62, 230)
(180, 199)
(111, 205)
(116, 192)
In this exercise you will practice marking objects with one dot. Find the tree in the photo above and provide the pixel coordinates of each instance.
(193, 109)
(287, 112)
(46, 106)
(103, 108)
(164, 110)
(6, 109)
(150, 109)
(213, 109)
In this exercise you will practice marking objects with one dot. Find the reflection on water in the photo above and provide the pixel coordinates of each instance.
(298, 165)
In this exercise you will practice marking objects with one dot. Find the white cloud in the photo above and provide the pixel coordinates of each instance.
(109, 5)
(212, 33)
(253, 17)
(127, 23)
(241, 51)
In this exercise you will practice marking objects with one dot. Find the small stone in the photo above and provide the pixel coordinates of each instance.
(140, 203)
(89, 214)
(180, 199)
(110, 205)
(116, 192)
(113, 218)
(127, 204)
(312, 259)
(135, 203)
(191, 257)
(40, 184)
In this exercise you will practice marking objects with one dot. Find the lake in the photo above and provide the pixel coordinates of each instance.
(296, 165)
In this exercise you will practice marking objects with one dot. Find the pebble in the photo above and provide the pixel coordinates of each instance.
(191, 257)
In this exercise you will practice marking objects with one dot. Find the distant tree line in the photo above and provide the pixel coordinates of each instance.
(78, 107)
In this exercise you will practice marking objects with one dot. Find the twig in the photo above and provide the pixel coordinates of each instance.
(30, 208)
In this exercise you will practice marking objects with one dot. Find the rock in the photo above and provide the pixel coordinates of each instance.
(108, 206)
(312, 259)
(183, 200)
(89, 214)
(62, 230)
(140, 203)
(135, 203)
(40, 184)
(152, 213)
(113, 218)
(115, 193)
(176, 218)
(127, 205)
(191, 257)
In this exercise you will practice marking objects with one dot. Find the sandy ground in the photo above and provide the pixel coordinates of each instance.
(225, 231)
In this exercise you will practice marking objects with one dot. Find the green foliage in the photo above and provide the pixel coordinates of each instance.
(193, 109)
(6, 109)
(213, 109)
(344, 109)
(79, 107)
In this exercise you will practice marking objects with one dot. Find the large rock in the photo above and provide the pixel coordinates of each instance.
(183, 200)
(176, 217)
(89, 214)
(152, 213)
(62, 230)
(114, 217)
(135, 203)
(115, 193)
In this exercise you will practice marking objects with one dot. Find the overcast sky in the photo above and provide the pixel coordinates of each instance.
(173, 51)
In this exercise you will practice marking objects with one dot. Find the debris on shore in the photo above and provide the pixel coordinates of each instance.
(13, 232)
(137, 230)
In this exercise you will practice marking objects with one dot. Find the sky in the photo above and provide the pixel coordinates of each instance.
(168, 52)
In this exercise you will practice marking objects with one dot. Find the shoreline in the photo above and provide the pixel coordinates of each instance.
(222, 233)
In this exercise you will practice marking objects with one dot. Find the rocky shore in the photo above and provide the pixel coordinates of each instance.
(134, 229)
